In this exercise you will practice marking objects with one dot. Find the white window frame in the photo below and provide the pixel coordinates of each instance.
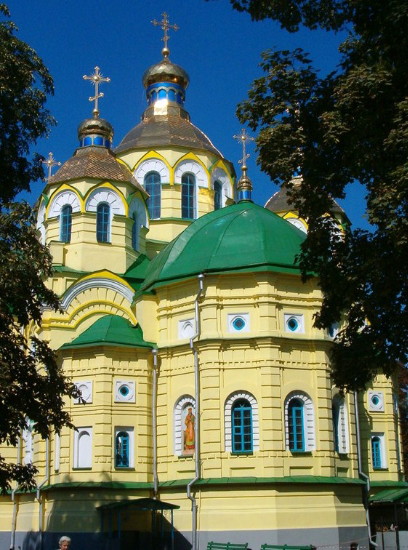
(131, 433)
(228, 420)
(83, 462)
(181, 404)
(343, 435)
(383, 454)
(308, 419)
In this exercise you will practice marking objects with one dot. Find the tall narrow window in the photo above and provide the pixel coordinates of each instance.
(217, 195)
(66, 223)
(336, 422)
(83, 448)
(376, 452)
(188, 196)
(153, 187)
(296, 426)
(241, 420)
(122, 450)
(135, 232)
(102, 222)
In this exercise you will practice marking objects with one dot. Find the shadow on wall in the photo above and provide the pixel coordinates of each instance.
(74, 514)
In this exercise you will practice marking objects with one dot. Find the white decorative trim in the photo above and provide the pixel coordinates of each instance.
(28, 443)
(186, 328)
(98, 282)
(308, 419)
(297, 320)
(57, 452)
(184, 402)
(220, 175)
(131, 433)
(383, 454)
(103, 194)
(190, 166)
(297, 222)
(343, 436)
(83, 447)
(228, 420)
(61, 199)
(233, 318)
(125, 391)
(85, 387)
(40, 222)
(152, 165)
(375, 401)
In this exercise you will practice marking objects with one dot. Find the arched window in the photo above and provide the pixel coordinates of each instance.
(188, 196)
(184, 426)
(241, 423)
(152, 185)
(66, 223)
(299, 422)
(83, 448)
(296, 426)
(122, 450)
(241, 426)
(135, 232)
(378, 452)
(102, 222)
(340, 425)
(217, 195)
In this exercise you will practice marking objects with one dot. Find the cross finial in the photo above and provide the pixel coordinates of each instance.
(50, 162)
(96, 78)
(243, 137)
(165, 26)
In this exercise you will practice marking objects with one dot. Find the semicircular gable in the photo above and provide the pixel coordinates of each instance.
(94, 285)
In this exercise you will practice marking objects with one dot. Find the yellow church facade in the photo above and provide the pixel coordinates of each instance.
(207, 409)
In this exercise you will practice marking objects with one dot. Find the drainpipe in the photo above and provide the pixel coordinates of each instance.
(197, 411)
(361, 474)
(14, 501)
(154, 422)
(39, 487)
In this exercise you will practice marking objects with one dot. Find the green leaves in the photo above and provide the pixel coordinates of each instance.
(351, 125)
(32, 384)
(24, 85)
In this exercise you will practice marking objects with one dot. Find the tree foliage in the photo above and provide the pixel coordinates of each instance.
(32, 385)
(350, 125)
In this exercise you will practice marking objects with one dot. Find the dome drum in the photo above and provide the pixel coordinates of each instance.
(163, 90)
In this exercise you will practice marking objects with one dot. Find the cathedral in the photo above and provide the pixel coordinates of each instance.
(207, 411)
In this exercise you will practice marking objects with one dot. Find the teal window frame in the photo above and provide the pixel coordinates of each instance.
(152, 184)
(66, 223)
(376, 452)
(122, 450)
(241, 427)
(296, 426)
(188, 196)
(102, 222)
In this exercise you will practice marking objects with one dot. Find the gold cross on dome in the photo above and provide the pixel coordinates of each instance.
(165, 26)
(243, 137)
(50, 162)
(96, 79)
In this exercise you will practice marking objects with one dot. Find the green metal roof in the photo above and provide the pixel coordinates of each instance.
(138, 504)
(137, 271)
(317, 480)
(243, 235)
(110, 330)
(390, 495)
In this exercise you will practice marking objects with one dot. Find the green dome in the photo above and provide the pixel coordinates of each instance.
(239, 237)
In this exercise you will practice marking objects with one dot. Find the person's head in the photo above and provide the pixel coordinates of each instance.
(64, 543)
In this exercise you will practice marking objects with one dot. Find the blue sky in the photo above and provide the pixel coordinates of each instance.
(218, 47)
